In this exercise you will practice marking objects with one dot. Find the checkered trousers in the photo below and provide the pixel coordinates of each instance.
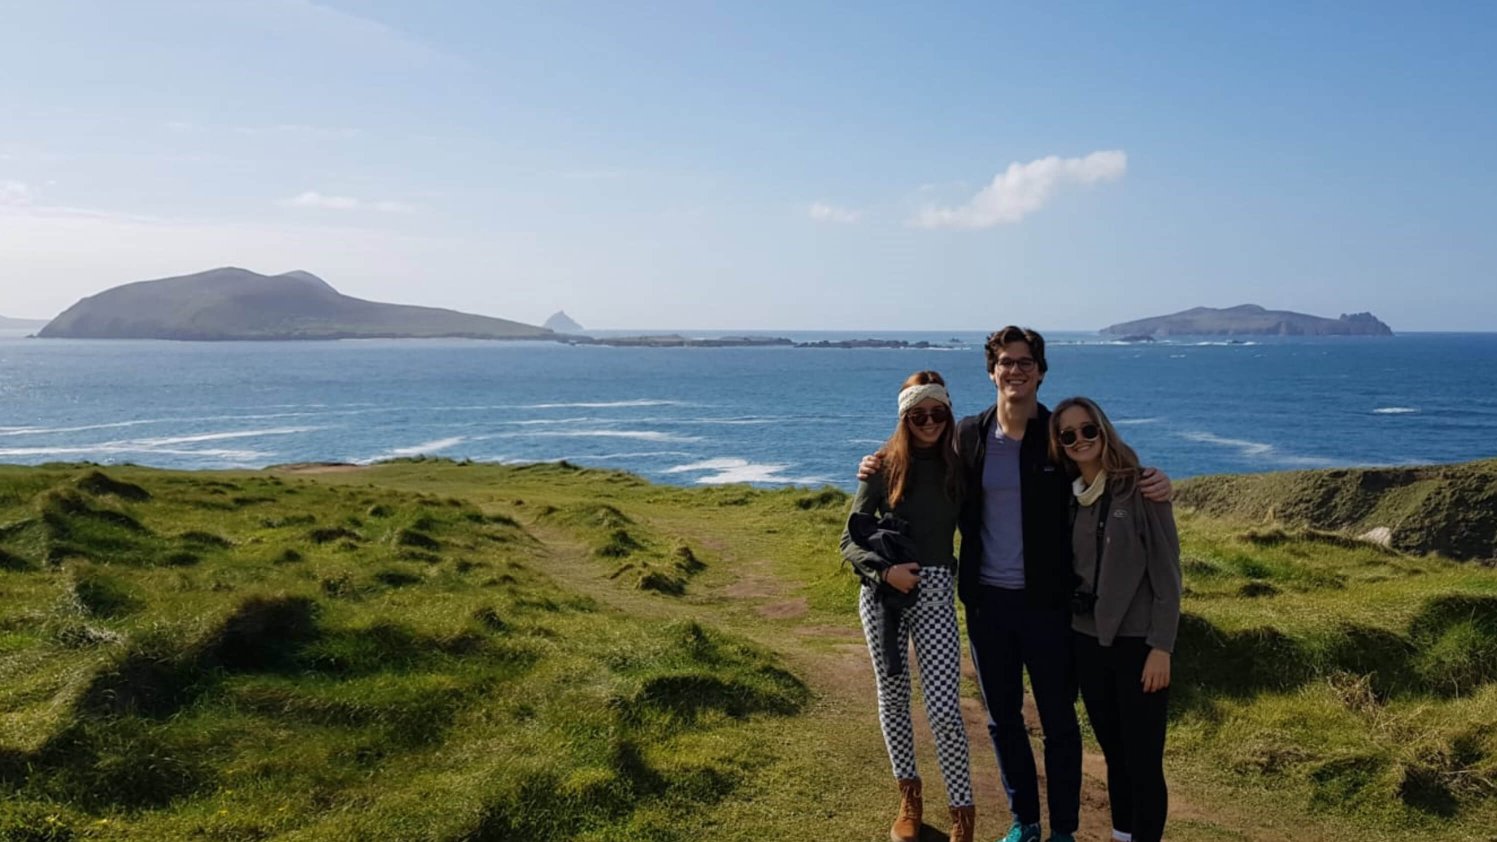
(931, 623)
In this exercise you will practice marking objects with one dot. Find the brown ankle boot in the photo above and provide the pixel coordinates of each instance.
(963, 820)
(911, 812)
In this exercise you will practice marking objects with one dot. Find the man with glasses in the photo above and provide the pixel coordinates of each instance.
(1014, 578)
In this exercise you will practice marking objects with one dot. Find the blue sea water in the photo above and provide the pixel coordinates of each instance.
(712, 415)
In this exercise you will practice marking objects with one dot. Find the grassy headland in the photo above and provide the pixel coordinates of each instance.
(431, 650)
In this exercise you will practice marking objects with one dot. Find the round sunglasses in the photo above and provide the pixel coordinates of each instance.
(1090, 432)
(922, 417)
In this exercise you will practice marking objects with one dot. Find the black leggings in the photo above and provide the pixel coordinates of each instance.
(1130, 725)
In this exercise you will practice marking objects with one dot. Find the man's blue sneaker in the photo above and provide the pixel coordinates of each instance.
(1023, 833)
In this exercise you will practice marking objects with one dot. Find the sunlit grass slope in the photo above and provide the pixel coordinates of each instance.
(432, 650)
(246, 657)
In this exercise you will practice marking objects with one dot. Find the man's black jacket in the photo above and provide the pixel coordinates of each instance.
(1045, 492)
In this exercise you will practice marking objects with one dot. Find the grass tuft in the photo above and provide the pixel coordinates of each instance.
(98, 483)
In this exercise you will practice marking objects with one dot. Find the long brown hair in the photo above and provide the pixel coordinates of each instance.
(1118, 459)
(897, 451)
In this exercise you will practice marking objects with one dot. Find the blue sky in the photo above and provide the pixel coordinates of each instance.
(762, 165)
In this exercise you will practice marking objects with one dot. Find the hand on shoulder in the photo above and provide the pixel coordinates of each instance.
(1155, 485)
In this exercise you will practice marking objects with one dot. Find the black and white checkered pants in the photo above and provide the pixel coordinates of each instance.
(931, 622)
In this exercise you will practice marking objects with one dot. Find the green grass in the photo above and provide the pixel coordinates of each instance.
(435, 650)
(332, 657)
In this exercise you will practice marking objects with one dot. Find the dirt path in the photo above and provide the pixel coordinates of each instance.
(833, 659)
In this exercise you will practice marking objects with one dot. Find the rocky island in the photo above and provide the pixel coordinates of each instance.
(562, 323)
(674, 340)
(237, 304)
(1248, 320)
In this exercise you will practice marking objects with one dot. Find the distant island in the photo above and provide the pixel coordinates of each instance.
(562, 323)
(674, 340)
(237, 304)
(1248, 320)
(20, 324)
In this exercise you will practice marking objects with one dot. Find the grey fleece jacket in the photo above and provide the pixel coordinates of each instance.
(1140, 572)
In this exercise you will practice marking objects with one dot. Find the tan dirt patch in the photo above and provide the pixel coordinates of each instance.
(754, 587)
(787, 610)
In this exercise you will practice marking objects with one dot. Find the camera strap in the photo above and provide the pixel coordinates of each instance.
(1103, 505)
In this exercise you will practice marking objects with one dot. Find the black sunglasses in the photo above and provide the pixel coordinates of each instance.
(1090, 432)
(921, 417)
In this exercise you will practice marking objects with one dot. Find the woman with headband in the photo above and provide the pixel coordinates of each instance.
(920, 485)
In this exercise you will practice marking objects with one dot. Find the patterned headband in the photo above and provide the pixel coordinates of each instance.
(913, 395)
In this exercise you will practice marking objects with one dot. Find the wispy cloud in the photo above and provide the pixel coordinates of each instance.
(335, 29)
(602, 174)
(313, 199)
(1023, 189)
(14, 193)
(295, 131)
(823, 212)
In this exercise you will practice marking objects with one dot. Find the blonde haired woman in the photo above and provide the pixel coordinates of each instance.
(1124, 612)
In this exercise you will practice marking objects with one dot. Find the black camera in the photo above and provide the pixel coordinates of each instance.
(1083, 602)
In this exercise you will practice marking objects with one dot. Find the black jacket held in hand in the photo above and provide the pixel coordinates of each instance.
(887, 540)
(1045, 494)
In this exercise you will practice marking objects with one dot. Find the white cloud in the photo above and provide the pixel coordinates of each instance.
(313, 199)
(823, 212)
(1023, 189)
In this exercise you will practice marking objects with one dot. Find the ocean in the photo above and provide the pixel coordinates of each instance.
(767, 416)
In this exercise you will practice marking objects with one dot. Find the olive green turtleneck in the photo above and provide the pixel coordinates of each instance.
(930, 513)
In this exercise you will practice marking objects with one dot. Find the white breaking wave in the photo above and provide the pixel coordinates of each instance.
(731, 469)
(553, 421)
(1248, 448)
(164, 445)
(748, 420)
(121, 448)
(82, 428)
(1395, 410)
(233, 434)
(435, 446)
(638, 435)
(1133, 422)
(1260, 450)
(42, 431)
(603, 404)
(589, 457)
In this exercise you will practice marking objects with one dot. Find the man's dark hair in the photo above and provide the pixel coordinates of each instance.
(1013, 333)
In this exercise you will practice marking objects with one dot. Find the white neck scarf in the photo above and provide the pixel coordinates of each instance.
(1086, 495)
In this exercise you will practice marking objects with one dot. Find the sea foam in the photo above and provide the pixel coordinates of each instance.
(725, 470)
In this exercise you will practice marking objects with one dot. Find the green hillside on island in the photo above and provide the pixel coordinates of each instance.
(232, 303)
(1249, 320)
(426, 649)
